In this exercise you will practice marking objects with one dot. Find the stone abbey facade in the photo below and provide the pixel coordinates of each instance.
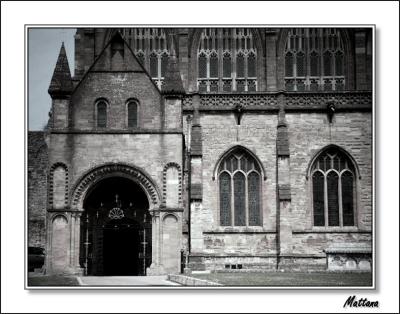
(206, 148)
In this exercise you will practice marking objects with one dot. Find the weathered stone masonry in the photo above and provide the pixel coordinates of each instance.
(181, 138)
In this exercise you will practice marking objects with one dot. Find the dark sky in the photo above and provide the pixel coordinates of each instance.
(43, 48)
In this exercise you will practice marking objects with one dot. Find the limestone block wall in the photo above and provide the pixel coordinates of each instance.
(308, 134)
(220, 132)
(116, 88)
(149, 152)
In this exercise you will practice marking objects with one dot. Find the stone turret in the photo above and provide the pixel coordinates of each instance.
(60, 90)
(61, 82)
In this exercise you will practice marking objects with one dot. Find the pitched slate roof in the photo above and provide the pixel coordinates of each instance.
(61, 82)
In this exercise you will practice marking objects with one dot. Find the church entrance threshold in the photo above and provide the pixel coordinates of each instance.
(116, 237)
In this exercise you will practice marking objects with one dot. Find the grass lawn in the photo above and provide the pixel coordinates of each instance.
(43, 281)
(288, 279)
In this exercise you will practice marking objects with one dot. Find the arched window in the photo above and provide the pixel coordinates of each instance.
(101, 114)
(333, 189)
(314, 59)
(239, 178)
(132, 108)
(152, 43)
(227, 60)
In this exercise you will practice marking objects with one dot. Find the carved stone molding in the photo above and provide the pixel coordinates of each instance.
(51, 183)
(164, 192)
(97, 173)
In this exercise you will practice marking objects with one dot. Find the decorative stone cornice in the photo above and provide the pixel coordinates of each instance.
(293, 101)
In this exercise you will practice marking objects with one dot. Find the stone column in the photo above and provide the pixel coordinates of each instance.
(75, 249)
(284, 229)
(156, 267)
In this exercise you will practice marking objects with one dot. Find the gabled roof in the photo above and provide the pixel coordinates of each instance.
(61, 82)
(131, 61)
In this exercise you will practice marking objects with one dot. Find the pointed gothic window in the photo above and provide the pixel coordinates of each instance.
(101, 114)
(153, 66)
(314, 59)
(333, 189)
(227, 60)
(227, 65)
(240, 190)
(152, 48)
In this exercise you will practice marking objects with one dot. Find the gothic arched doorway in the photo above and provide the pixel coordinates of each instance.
(116, 229)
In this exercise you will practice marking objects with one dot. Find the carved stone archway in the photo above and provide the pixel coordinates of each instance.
(94, 175)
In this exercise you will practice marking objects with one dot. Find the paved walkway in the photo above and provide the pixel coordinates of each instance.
(100, 281)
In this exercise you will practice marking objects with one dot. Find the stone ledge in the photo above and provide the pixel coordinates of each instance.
(333, 230)
(191, 281)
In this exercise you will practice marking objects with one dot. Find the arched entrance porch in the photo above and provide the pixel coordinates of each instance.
(116, 229)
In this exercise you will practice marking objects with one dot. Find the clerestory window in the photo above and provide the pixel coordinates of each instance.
(314, 60)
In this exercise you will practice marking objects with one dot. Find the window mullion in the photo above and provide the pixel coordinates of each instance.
(340, 201)
(232, 202)
(246, 199)
(326, 200)
(208, 72)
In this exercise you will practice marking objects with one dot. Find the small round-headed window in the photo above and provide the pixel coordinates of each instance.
(101, 114)
(133, 108)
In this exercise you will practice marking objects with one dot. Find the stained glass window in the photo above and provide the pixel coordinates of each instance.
(327, 63)
(347, 197)
(101, 114)
(254, 201)
(240, 199)
(214, 65)
(333, 189)
(229, 56)
(152, 49)
(318, 199)
(240, 65)
(289, 64)
(153, 66)
(251, 65)
(314, 60)
(339, 63)
(202, 66)
(164, 62)
(333, 201)
(227, 65)
(240, 174)
(225, 199)
(301, 67)
(316, 53)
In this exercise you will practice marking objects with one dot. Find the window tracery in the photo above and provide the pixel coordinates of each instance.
(240, 190)
(227, 60)
(333, 186)
(314, 60)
